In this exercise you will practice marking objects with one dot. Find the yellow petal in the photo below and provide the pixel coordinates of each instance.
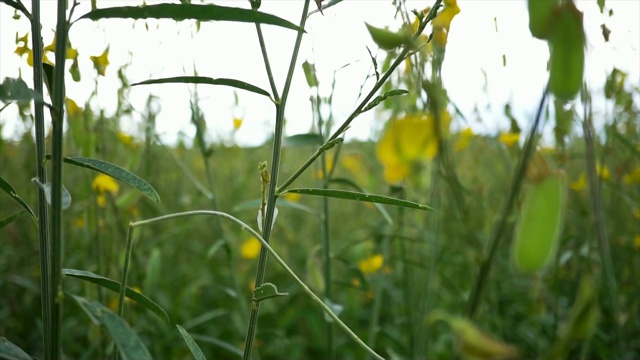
(250, 248)
(101, 62)
(103, 183)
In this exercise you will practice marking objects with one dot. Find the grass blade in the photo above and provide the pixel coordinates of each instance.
(8, 220)
(9, 350)
(180, 12)
(357, 196)
(207, 80)
(7, 188)
(115, 286)
(195, 349)
(129, 344)
(117, 172)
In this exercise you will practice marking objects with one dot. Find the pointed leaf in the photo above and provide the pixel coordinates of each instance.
(8, 220)
(129, 344)
(206, 80)
(195, 349)
(180, 12)
(116, 172)
(115, 286)
(9, 350)
(350, 195)
(4, 185)
(309, 139)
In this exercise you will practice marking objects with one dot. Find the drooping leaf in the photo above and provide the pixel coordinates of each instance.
(7, 188)
(310, 74)
(178, 12)
(355, 186)
(8, 220)
(383, 97)
(129, 344)
(9, 350)
(207, 80)
(195, 349)
(309, 139)
(115, 286)
(116, 172)
(350, 195)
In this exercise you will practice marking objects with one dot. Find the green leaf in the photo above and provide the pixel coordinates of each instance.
(310, 139)
(383, 97)
(347, 182)
(266, 291)
(601, 6)
(115, 286)
(310, 74)
(180, 12)
(129, 344)
(357, 196)
(8, 220)
(116, 172)
(17, 90)
(10, 351)
(7, 188)
(195, 349)
(207, 80)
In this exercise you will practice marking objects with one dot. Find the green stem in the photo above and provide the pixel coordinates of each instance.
(56, 187)
(125, 271)
(269, 250)
(498, 230)
(47, 296)
(601, 231)
(275, 168)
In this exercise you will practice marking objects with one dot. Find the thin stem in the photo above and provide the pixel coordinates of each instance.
(43, 220)
(125, 271)
(498, 230)
(267, 65)
(268, 249)
(275, 169)
(56, 187)
(601, 230)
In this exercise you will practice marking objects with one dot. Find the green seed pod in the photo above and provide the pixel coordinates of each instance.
(387, 39)
(540, 12)
(566, 45)
(540, 223)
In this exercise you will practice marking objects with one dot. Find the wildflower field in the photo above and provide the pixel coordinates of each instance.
(429, 242)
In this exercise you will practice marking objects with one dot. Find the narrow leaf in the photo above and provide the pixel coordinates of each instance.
(350, 195)
(8, 220)
(129, 344)
(310, 139)
(383, 97)
(180, 12)
(115, 286)
(9, 350)
(206, 80)
(7, 188)
(355, 186)
(116, 172)
(195, 349)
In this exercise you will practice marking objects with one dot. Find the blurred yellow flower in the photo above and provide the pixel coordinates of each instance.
(408, 140)
(104, 183)
(579, 184)
(464, 137)
(292, 197)
(72, 108)
(371, 264)
(79, 222)
(237, 122)
(126, 140)
(633, 176)
(442, 22)
(509, 139)
(250, 248)
(603, 172)
(353, 163)
(100, 62)
(101, 200)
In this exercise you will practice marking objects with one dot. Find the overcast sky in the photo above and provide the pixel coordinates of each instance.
(339, 37)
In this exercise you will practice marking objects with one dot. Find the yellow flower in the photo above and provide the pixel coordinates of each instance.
(442, 22)
(101, 200)
(237, 122)
(100, 62)
(633, 176)
(371, 264)
(126, 140)
(579, 184)
(292, 197)
(250, 248)
(408, 140)
(603, 172)
(464, 137)
(104, 183)
(509, 139)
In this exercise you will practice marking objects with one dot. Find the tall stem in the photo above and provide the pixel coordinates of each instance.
(275, 168)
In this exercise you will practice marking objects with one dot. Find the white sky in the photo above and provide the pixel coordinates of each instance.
(223, 49)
